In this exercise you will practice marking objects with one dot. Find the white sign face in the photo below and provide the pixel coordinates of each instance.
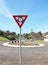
(20, 19)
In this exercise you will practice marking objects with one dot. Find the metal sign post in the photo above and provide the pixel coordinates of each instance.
(20, 50)
(20, 19)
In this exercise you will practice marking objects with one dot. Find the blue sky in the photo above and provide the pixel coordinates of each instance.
(37, 11)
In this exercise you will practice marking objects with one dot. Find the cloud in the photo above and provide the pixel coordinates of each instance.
(4, 10)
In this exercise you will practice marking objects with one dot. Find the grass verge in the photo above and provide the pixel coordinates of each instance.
(3, 39)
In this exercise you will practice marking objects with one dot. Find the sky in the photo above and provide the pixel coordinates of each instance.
(37, 11)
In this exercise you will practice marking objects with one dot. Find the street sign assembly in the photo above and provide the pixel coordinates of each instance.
(20, 19)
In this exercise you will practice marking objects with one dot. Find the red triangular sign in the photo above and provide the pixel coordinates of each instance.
(20, 19)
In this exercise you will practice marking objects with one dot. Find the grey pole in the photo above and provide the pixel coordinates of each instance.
(20, 50)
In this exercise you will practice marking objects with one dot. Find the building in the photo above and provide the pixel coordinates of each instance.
(46, 38)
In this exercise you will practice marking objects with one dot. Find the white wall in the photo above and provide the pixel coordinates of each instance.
(46, 40)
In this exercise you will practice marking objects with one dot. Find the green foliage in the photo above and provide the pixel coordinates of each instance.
(39, 41)
(26, 36)
(40, 34)
(9, 35)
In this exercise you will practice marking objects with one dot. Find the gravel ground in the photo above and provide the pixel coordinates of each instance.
(30, 56)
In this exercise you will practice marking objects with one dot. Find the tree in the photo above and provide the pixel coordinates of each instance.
(40, 34)
(13, 35)
(46, 33)
(0, 32)
(26, 36)
(7, 33)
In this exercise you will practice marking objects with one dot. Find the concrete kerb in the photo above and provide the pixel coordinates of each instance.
(9, 45)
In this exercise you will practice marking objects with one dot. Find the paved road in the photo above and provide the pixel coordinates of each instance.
(30, 56)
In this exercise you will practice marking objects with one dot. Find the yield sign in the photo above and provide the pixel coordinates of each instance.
(20, 19)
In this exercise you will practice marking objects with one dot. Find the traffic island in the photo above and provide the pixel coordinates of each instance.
(22, 45)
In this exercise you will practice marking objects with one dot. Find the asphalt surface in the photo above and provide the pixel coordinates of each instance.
(30, 56)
